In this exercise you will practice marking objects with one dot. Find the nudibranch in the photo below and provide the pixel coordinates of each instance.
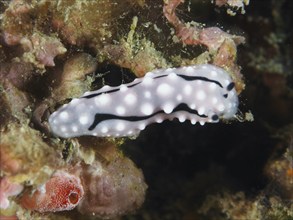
(199, 93)
(63, 191)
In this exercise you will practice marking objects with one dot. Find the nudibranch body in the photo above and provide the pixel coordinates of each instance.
(199, 93)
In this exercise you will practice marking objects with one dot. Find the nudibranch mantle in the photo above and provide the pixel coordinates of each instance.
(199, 93)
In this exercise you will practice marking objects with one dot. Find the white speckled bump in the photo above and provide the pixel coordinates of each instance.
(200, 93)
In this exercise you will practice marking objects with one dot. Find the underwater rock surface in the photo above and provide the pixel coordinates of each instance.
(54, 51)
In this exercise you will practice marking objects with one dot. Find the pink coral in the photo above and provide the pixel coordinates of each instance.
(8, 189)
(42, 48)
(63, 191)
(18, 73)
(189, 34)
(8, 164)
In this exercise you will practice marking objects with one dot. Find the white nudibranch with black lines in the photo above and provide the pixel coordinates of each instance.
(199, 93)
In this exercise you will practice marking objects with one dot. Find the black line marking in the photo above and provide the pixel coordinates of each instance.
(107, 92)
(191, 78)
(103, 117)
(97, 94)
(157, 77)
(187, 78)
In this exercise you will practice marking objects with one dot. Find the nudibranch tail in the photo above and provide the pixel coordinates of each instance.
(199, 93)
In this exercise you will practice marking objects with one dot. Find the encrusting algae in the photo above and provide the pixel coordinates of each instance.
(52, 52)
